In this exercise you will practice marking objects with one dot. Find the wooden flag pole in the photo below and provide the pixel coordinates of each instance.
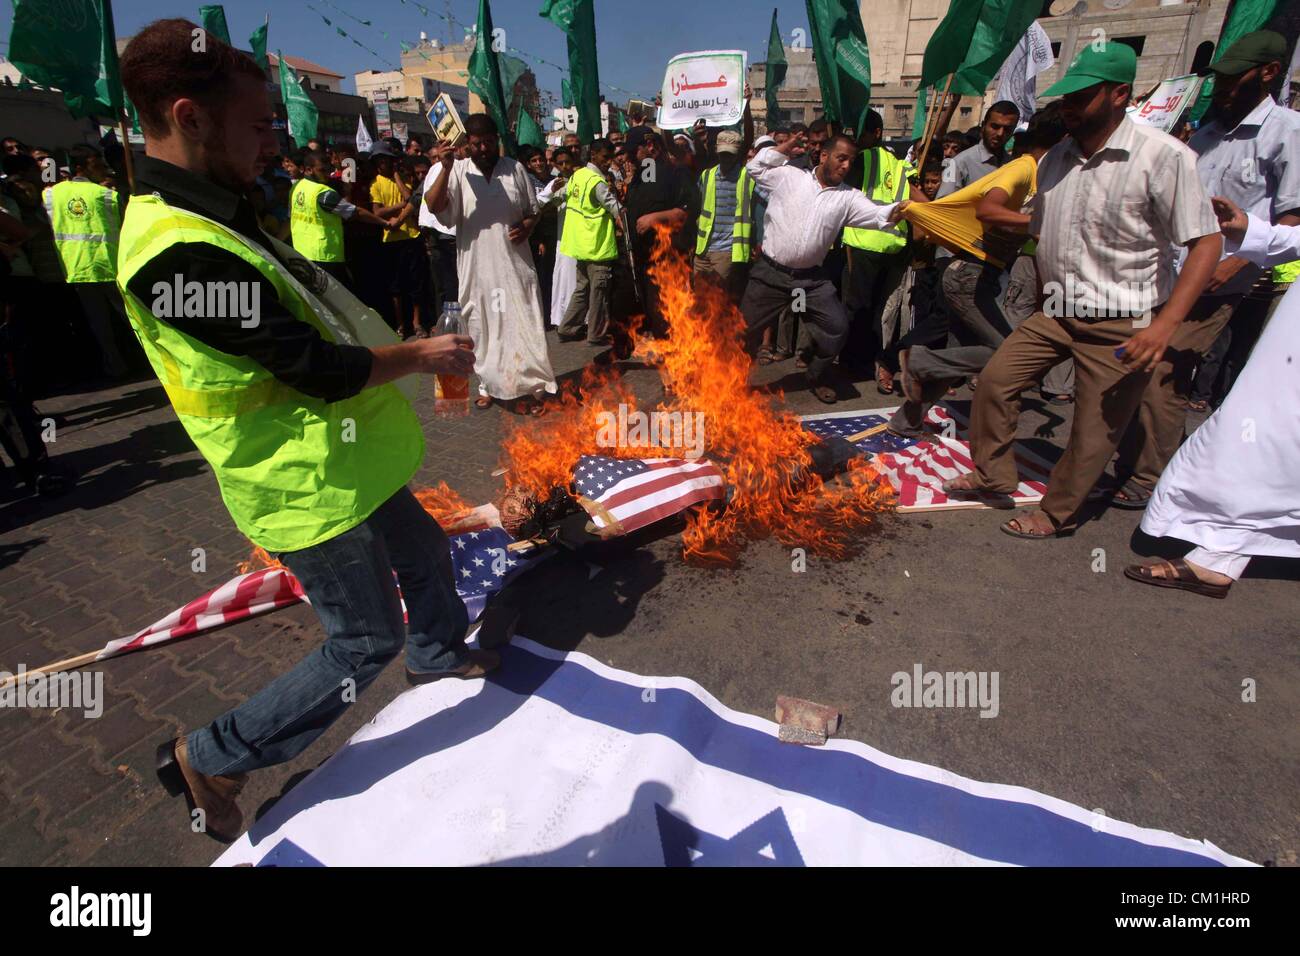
(126, 148)
(925, 148)
(63, 665)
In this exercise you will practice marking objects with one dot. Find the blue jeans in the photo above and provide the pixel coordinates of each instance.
(349, 580)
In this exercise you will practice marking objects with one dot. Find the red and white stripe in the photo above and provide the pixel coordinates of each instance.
(670, 485)
(240, 598)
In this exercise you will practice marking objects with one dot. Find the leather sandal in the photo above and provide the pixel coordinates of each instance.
(1183, 579)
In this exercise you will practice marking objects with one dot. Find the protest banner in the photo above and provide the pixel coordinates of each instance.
(1163, 108)
(709, 85)
(383, 119)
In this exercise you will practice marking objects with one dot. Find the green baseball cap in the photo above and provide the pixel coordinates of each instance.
(1252, 50)
(1103, 62)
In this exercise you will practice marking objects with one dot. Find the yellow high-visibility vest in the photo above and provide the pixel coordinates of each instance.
(741, 227)
(317, 234)
(293, 470)
(884, 181)
(588, 226)
(87, 220)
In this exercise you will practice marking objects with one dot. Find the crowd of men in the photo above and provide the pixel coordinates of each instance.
(1073, 251)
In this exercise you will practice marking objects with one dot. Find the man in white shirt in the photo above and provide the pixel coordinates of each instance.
(439, 241)
(806, 211)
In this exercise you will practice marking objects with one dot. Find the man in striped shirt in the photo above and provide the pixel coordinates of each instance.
(1114, 201)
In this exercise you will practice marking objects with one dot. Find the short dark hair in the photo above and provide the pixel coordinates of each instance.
(933, 165)
(79, 156)
(819, 125)
(872, 122)
(480, 124)
(415, 138)
(159, 66)
(834, 138)
(14, 164)
(1046, 128)
(561, 151)
(310, 157)
(797, 128)
(1005, 107)
(955, 136)
(601, 146)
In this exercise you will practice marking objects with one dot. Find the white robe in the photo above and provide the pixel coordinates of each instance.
(500, 298)
(564, 278)
(1234, 485)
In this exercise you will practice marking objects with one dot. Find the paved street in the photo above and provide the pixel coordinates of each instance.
(1113, 696)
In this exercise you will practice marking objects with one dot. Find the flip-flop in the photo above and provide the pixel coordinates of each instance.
(765, 356)
(1184, 579)
(825, 394)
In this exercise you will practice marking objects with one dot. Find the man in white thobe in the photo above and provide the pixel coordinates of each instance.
(491, 202)
(1231, 488)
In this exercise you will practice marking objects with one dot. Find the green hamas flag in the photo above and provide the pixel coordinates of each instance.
(528, 133)
(621, 117)
(1245, 16)
(512, 68)
(918, 124)
(258, 42)
(975, 38)
(776, 68)
(213, 19)
(577, 18)
(843, 62)
(950, 41)
(999, 28)
(485, 75)
(566, 94)
(70, 46)
(298, 106)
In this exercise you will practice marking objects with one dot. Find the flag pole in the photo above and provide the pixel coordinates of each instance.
(126, 149)
(925, 148)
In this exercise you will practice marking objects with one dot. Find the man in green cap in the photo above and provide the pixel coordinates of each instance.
(1114, 201)
(1249, 152)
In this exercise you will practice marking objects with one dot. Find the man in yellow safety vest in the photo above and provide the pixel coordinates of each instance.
(86, 217)
(317, 213)
(592, 217)
(876, 261)
(724, 241)
(290, 389)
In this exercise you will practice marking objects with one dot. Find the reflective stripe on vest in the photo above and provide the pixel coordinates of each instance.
(293, 470)
(742, 225)
(317, 234)
(888, 175)
(588, 226)
(86, 221)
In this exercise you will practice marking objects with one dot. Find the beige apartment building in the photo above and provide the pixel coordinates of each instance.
(1171, 37)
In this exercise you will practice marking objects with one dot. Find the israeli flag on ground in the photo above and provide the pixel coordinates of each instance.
(558, 759)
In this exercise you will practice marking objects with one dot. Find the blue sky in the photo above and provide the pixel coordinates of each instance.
(635, 37)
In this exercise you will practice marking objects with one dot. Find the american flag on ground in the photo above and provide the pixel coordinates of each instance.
(917, 468)
(483, 565)
(624, 494)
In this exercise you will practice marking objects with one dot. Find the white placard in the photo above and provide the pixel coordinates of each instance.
(709, 85)
(1163, 108)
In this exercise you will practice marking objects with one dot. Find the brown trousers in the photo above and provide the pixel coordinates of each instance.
(1107, 394)
(1157, 429)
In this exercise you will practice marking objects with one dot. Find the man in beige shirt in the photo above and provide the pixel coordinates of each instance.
(1113, 202)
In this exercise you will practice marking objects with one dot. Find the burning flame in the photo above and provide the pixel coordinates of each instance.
(757, 445)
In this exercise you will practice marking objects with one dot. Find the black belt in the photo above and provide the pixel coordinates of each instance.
(814, 272)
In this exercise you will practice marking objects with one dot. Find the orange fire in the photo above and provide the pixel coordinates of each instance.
(756, 443)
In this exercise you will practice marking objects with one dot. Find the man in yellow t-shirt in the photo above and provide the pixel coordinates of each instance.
(984, 226)
(403, 253)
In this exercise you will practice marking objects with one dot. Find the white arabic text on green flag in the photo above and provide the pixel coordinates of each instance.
(298, 107)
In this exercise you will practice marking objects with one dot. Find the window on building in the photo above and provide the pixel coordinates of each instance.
(1202, 58)
(1137, 43)
(1056, 50)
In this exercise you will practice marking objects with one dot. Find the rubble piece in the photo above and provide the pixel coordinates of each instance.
(805, 721)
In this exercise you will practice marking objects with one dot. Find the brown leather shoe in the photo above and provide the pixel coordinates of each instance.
(478, 663)
(215, 796)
